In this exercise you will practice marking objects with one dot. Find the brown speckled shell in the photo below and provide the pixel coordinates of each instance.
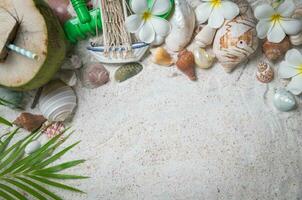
(186, 64)
(29, 121)
(276, 51)
(265, 73)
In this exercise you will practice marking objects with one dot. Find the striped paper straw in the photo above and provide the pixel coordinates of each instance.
(23, 52)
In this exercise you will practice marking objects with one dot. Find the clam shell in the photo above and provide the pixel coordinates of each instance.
(127, 71)
(94, 75)
(57, 101)
(183, 24)
(284, 100)
(203, 59)
(236, 41)
(265, 73)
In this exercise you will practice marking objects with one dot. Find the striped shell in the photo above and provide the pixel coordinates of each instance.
(57, 101)
(265, 73)
(127, 71)
(94, 75)
(236, 40)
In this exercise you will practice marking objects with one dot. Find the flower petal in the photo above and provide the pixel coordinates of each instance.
(160, 7)
(276, 33)
(295, 86)
(263, 27)
(147, 33)
(264, 11)
(203, 12)
(133, 23)
(294, 57)
(229, 10)
(287, 8)
(139, 6)
(291, 26)
(161, 26)
(286, 71)
(216, 19)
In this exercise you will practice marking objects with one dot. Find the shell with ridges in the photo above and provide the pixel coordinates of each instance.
(127, 71)
(94, 75)
(265, 73)
(296, 39)
(57, 101)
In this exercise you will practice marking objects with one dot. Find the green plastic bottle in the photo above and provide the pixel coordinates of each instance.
(81, 9)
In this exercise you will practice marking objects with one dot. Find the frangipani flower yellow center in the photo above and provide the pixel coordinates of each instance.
(146, 15)
(275, 18)
(300, 69)
(216, 3)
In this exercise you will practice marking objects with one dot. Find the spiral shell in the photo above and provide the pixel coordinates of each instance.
(186, 64)
(57, 101)
(276, 51)
(296, 39)
(265, 73)
(94, 75)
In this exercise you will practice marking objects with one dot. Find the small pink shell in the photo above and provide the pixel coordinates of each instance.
(54, 129)
(265, 73)
(94, 75)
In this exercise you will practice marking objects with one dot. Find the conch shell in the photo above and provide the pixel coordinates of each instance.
(160, 56)
(186, 64)
(276, 51)
(183, 24)
(237, 39)
(265, 73)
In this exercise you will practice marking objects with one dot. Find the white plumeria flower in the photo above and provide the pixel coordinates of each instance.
(276, 23)
(292, 68)
(216, 11)
(145, 22)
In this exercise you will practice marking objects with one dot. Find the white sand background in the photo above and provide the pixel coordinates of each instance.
(161, 136)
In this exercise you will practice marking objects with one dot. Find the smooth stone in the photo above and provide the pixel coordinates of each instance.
(32, 147)
(203, 59)
(284, 100)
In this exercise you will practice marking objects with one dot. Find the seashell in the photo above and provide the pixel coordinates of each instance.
(72, 62)
(32, 147)
(94, 75)
(159, 40)
(236, 41)
(186, 64)
(29, 121)
(205, 37)
(296, 39)
(265, 73)
(53, 129)
(160, 56)
(183, 24)
(69, 77)
(13, 99)
(57, 101)
(274, 51)
(284, 100)
(127, 71)
(203, 59)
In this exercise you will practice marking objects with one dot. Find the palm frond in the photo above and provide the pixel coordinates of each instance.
(34, 174)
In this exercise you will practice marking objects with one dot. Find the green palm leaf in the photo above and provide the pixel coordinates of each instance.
(34, 174)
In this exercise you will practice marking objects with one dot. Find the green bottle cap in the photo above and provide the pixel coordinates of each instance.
(82, 11)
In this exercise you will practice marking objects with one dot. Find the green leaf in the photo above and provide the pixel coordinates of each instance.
(61, 167)
(26, 189)
(55, 184)
(6, 142)
(59, 176)
(12, 191)
(5, 195)
(5, 122)
(40, 188)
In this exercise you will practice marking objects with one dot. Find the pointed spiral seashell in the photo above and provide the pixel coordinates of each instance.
(265, 73)
(57, 101)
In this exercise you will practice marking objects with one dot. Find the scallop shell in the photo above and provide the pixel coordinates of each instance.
(284, 100)
(265, 73)
(276, 51)
(57, 101)
(205, 37)
(160, 56)
(203, 59)
(14, 99)
(236, 40)
(296, 39)
(94, 75)
(183, 24)
(127, 71)
(186, 64)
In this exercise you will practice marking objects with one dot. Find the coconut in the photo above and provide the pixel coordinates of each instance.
(40, 32)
